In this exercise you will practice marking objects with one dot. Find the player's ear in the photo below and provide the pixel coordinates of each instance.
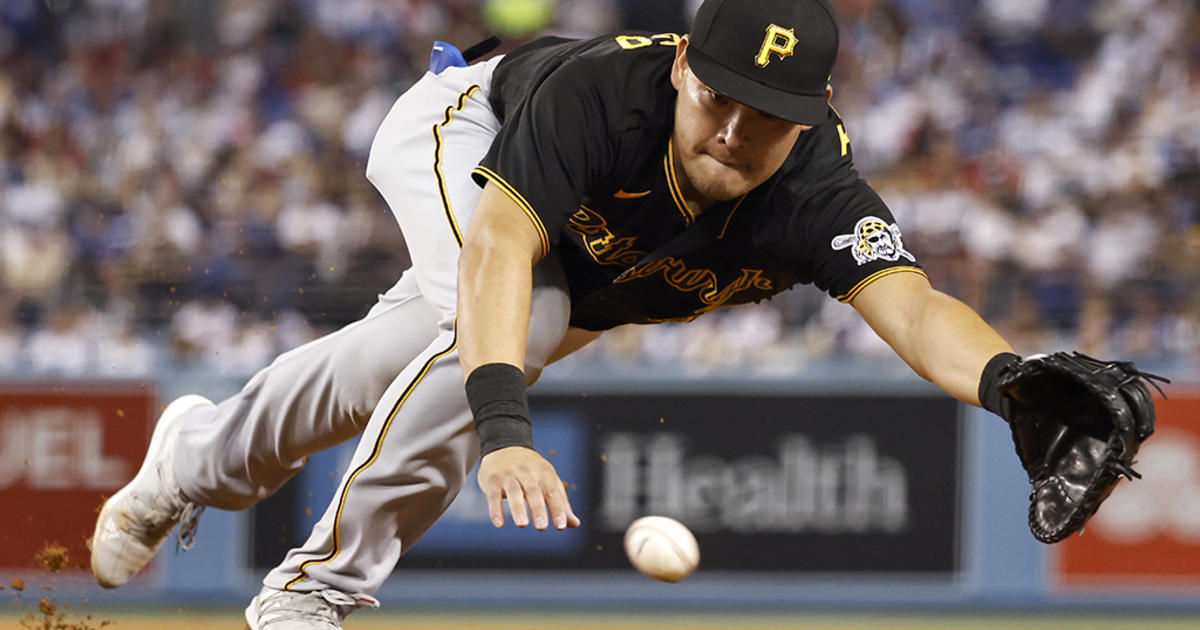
(680, 67)
(828, 92)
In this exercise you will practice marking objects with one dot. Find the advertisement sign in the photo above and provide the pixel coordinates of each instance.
(767, 483)
(1147, 531)
(812, 483)
(62, 449)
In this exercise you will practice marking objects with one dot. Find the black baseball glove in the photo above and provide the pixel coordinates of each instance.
(1077, 423)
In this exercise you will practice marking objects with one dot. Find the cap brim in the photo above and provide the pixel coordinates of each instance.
(803, 109)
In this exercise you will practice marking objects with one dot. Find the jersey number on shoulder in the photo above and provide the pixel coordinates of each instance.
(630, 42)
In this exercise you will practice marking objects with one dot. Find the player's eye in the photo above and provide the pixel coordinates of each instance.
(716, 97)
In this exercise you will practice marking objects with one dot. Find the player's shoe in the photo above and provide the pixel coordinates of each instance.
(273, 609)
(135, 521)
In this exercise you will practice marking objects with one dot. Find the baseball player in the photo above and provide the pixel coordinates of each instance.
(546, 196)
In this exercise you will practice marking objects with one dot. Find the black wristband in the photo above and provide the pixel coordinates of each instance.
(990, 397)
(500, 405)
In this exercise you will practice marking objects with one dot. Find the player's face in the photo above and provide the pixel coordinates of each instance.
(725, 149)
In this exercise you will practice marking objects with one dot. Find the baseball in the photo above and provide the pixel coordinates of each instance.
(662, 548)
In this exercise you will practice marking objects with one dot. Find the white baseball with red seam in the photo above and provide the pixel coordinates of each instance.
(662, 548)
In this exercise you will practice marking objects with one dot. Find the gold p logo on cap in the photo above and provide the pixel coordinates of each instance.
(778, 40)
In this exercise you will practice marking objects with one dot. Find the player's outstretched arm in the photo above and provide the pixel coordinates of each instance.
(495, 281)
(941, 338)
(1076, 422)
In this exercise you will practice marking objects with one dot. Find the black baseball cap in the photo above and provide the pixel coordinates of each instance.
(773, 55)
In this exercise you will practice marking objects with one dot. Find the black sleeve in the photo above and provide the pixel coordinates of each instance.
(848, 233)
(551, 148)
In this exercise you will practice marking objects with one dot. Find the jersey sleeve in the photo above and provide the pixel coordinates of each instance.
(850, 235)
(552, 146)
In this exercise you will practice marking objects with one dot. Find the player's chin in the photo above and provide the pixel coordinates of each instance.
(722, 183)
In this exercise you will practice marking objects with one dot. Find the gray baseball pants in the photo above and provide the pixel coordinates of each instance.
(392, 377)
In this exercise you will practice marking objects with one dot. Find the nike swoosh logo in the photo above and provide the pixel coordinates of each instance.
(621, 194)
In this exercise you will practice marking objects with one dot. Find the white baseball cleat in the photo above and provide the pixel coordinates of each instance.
(135, 521)
(273, 609)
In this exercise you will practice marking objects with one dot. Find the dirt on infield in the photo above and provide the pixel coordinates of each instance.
(53, 557)
(48, 613)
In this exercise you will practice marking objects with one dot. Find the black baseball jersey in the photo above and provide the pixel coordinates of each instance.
(584, 149)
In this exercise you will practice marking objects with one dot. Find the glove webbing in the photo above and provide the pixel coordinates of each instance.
(1132, 374)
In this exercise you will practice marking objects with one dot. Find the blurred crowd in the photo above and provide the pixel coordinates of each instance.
(181, 182)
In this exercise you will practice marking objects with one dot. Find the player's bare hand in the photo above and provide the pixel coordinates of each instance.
(526, 479)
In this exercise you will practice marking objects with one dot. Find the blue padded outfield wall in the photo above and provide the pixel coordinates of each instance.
(832, 491)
